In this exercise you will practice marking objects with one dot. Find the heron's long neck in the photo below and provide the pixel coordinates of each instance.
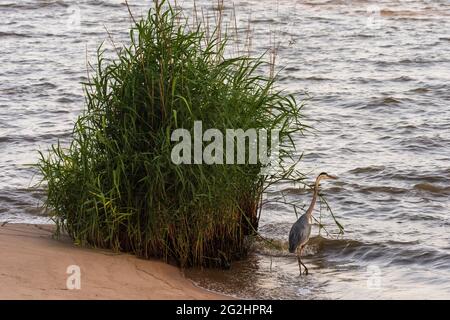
(314, 199)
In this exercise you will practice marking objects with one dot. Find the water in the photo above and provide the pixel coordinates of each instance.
(380, 103)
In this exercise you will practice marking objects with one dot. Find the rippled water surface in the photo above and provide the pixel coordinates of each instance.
(378, 77)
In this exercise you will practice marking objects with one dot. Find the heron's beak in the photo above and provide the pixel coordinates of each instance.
(332, 177)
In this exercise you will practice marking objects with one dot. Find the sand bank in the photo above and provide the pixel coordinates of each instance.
(33, 265)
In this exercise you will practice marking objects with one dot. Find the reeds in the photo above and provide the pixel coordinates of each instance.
(115, 185)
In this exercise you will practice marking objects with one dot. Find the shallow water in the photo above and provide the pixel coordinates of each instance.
(380, 105)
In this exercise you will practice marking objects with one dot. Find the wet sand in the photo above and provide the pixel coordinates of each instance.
(33, 265)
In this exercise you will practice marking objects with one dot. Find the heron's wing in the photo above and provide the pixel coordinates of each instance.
(293, 238)
(299, 233)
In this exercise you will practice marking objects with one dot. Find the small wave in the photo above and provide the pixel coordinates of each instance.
(33, 139)
(408, 61)
(432, 188)
(14, 35)
(295, 191)
(420, 90)
(422, 142)
(366, 80)
(369, 169)
(420, 60)
(423, 186)
(291, 69)
(382, 189)
(408, 216)
(268, 21)
(364, 35)
(390, 100)
(403, 13)
(317, 78)
(321, 242)
(5, 139)
(419, 177)
(110, 4)
(44, 85)
(382, 102)
(403, 79)
(389, 252)
(64, 100)
(408, 127)
(316, 244)
(273, 248)
(419, 256)
(24, 5)
(313, 155)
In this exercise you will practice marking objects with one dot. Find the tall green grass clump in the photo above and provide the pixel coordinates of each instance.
(115, 186)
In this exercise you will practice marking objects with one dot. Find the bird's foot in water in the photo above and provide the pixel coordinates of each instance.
(304, 273)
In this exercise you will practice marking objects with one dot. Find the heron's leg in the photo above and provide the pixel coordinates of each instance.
(306, 269)
(299, 261)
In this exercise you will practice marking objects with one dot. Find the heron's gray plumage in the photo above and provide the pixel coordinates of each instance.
(300, 232)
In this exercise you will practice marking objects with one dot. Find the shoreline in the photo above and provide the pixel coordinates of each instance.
(34, 265)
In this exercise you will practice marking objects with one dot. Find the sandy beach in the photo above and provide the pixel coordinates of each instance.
(33, 265)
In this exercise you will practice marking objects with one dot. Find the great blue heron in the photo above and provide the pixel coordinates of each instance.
(301, 229)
